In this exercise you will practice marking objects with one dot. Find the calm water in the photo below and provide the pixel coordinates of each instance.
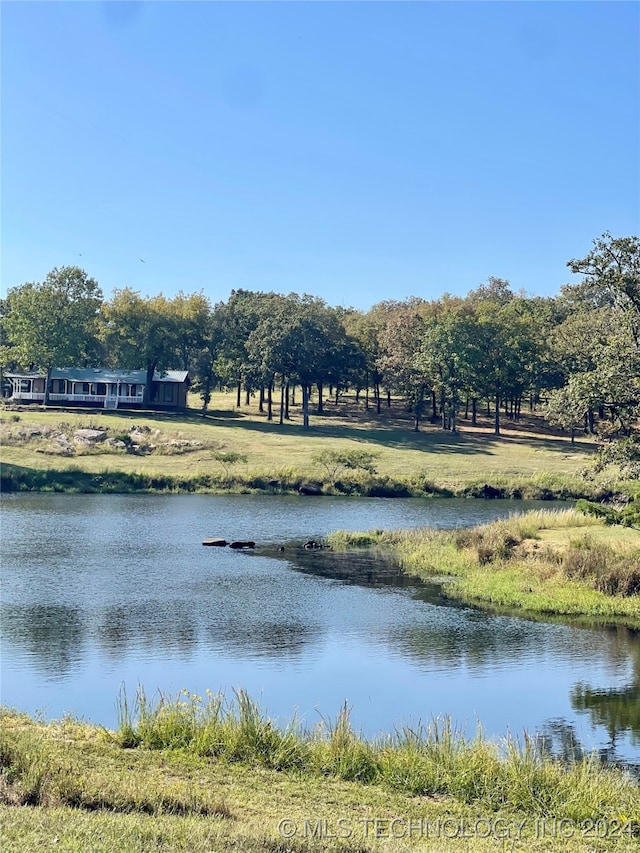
(99, 591)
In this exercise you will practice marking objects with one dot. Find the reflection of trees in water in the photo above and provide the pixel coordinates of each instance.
(453, 635)
(53, 635)
(479, 640)
(152, 625)
(57, 638)
(559, 738)
(263, 638)
(475, 644)
(183, 625)
(617, 709)
(361, 567)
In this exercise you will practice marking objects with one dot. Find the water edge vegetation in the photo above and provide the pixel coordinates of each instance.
(207, 774)
(556, 562)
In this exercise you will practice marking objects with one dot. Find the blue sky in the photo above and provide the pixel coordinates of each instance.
(357, 151)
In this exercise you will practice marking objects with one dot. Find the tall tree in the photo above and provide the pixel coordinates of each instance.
(54, 323)
(446, 354)
(238, 318)
(612, 269)
(191, 314)
(607, 309)
(139, 333)
(205, 362)
(400, 359)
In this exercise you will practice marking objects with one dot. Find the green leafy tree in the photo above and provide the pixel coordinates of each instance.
(446, 354)
(611, 271)
(567, 408)
(237, 319)
(600, 339)
(207, 362)
(365, 330)
(139, 333)
(191, 314)
(54, 322)
(507, 348)
(401, 360)
(336, 461)
(354, 362)
(272, 349)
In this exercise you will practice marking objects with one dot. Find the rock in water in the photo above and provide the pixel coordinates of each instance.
(310, 489)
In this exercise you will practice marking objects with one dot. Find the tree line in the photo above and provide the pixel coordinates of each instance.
(494, 350)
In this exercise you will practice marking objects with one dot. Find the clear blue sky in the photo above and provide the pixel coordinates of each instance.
(357, 151)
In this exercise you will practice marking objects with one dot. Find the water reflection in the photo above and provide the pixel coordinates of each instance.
(617, 709)
(52, 635)
(156, 624)
(485, 640)
(128, 593)
(57, 639)
(266, 639)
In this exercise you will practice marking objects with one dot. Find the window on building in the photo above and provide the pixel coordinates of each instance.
(101, 389)
(167, 392)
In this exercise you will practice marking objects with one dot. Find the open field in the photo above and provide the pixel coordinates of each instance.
(182, 452)
(249, 786)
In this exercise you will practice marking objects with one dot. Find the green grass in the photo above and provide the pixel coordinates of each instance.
(542, 562)
(207, 775)
(526, 461)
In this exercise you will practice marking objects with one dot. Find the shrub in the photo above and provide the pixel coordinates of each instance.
(628, 516)
(335, 461)
(603, 568)
(228, 459)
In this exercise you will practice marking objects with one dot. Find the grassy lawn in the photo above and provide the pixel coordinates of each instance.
(524, 457)
(73, 787)
(621, 539)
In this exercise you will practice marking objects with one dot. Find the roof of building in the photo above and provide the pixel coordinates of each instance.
(171, 376)
(101, 374)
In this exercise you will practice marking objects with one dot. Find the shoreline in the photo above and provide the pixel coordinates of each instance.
(73, 480)
(349, 453)
(541, 562)
(226, 777)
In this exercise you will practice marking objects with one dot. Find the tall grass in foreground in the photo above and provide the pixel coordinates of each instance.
(428, 760)
(35, 771)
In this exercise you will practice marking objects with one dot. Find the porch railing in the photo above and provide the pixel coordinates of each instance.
(92, 398)
(37, 396)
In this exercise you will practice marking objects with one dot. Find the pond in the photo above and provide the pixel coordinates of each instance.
(104, 590)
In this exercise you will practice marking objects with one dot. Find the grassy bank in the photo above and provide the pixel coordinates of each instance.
(207, 775)
(543, 562)
(239, 450)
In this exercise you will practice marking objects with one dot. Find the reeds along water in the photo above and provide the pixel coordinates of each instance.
(431, 759)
